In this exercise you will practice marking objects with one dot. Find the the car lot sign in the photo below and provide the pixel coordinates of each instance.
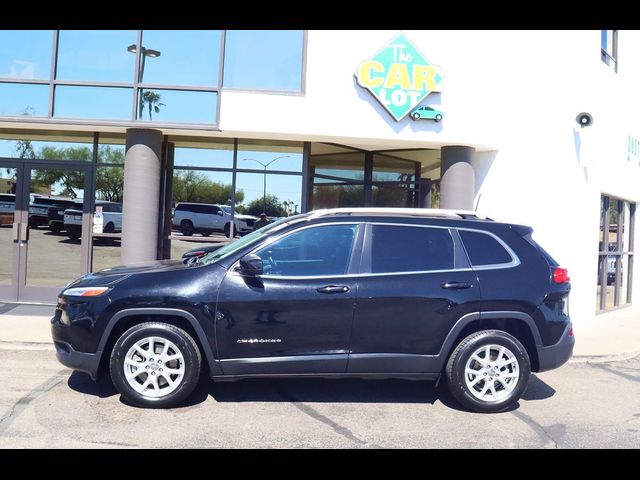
(399, 76)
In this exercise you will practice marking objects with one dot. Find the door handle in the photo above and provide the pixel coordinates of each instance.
(16, 229)
(333, 289)
(456, 285)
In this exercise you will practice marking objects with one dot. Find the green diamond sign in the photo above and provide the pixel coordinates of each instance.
(399, 77)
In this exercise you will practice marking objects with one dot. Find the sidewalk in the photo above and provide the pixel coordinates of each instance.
(611, 336)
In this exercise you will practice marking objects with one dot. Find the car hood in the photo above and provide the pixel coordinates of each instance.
(112, 275)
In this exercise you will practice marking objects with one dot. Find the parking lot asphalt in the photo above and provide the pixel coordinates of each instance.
(45, 405)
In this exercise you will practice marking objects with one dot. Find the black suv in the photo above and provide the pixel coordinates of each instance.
(369, 293)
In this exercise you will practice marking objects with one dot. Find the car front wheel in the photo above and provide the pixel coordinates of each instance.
(155, 365)
(488, 371)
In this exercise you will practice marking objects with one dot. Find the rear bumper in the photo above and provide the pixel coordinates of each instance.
(556, 355)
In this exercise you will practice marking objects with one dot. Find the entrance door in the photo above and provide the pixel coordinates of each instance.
(43, 257)
(10, 189)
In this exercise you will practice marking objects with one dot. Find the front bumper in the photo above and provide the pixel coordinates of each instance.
(70, 357)
(556, 355)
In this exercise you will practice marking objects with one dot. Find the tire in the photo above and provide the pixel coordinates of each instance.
(227, 230)
(109, 228)
(56, 228)
(416, 116)
(165, 395)
(186, 227)
(472, 397)
(438, 117)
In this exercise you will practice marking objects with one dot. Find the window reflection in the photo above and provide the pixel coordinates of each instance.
(93, 102)
(264, 60)
(177, 106)
(187, 57)
(24, 99)
(214, 155)
(47, 150)
(25, 54)
(8, 179)
(276, 195)
(107, 217)
(96, 55)
(284, 156)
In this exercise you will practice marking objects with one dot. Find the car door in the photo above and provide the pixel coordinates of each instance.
(415, 283)
(296, 317)
(215, 218)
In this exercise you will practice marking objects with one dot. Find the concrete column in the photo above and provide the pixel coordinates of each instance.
(457, 178)
(141, 195)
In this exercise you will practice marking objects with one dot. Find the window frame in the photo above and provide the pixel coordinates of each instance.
(609, 58)
(354, 259)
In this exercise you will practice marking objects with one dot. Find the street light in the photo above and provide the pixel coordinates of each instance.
(265, 165)
(146, 52)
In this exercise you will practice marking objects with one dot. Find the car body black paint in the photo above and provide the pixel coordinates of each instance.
(382, 324)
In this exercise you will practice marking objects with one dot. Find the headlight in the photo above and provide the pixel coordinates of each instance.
(85, 291)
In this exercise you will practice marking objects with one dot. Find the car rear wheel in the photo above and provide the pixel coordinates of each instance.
(488, 371)
(186, 227)
(416, 116)
(438, 117)
(155, 365)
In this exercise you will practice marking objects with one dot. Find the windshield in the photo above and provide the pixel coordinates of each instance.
(227, 209)
(232, 247)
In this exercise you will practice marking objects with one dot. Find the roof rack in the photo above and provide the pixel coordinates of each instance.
(416, 212)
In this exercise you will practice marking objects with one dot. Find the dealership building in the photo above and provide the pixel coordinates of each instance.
(529, 127)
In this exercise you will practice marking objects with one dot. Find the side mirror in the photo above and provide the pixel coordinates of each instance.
(221, 213)
(251, 265)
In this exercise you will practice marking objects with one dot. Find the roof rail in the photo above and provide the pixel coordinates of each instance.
(417, 212)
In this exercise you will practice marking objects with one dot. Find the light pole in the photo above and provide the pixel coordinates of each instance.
(265, 165)
(146, 52)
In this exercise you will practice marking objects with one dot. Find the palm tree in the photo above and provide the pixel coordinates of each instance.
(153, 102)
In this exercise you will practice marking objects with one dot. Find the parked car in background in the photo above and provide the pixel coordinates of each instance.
(7, 208)
(206, 218)
(364, 292)
(111, 218)
(49, 211)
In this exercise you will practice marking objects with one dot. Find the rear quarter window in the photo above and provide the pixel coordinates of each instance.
(483, 249)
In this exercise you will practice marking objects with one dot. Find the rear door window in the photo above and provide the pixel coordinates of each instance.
(399, 248)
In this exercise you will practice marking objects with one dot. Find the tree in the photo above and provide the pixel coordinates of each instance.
(152, 99)
(70, 180)
(274, 207)
(193, 186)
(109, 184)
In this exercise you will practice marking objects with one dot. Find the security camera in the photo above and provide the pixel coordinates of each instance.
(584, 119)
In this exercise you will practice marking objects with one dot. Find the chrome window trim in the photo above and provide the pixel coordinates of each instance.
(515, 261)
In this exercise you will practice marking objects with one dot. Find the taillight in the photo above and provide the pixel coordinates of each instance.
(561, 275)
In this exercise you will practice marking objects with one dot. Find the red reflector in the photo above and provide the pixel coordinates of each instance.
(571, 332)
(561, 275)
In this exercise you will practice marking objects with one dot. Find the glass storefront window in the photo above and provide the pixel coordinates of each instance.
(8, 179)
(389, 169)
(348, 166)
(24, 99)
(108, 216)
(96, 55)
(25, 54)
(393, 195)
(177, 106)
(47, 150)
(615, 259)
(330, 194)
(264, 60)
(110, 153)
(214, 155)
(186, 57)
(276, 195)
(284, 156)
(107, 103)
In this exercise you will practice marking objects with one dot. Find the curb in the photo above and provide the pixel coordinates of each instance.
(616, 357)
(11, 345)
